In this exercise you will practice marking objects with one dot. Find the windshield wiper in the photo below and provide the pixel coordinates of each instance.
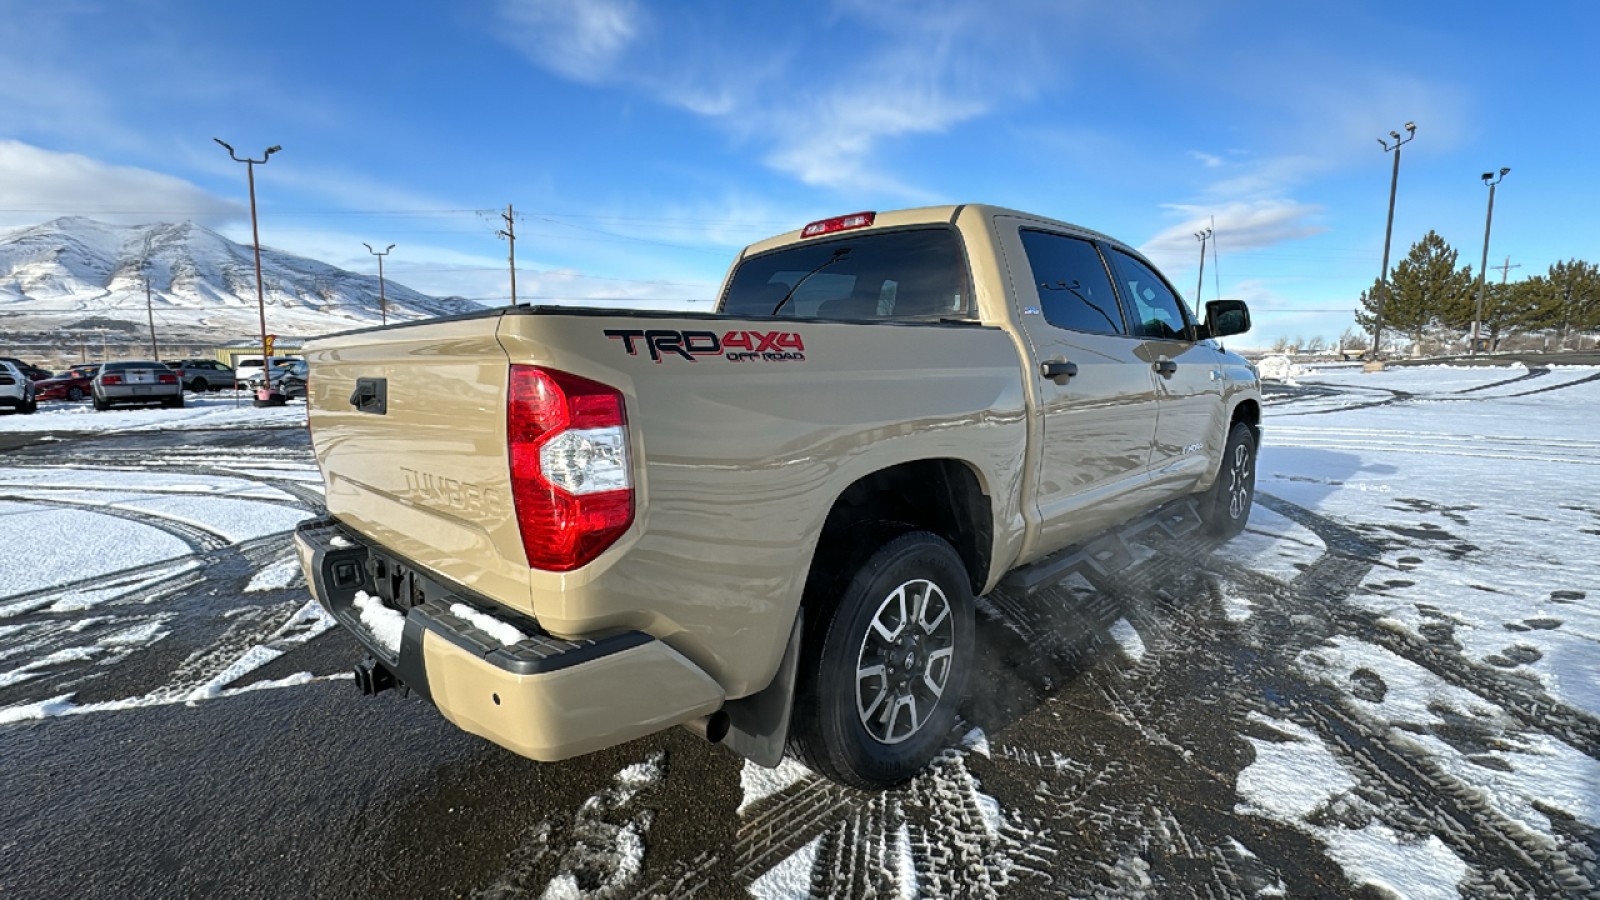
(838, 254)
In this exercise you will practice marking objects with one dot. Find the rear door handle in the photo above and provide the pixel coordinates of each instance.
(1058, 370)
(1166, 368)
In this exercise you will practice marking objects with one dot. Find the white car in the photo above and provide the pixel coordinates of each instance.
(16, 389)
(247, 371)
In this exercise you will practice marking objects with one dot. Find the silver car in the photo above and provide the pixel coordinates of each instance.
(136, 381)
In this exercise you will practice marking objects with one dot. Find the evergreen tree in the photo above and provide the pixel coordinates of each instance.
(1425, 289)
(1572, 300)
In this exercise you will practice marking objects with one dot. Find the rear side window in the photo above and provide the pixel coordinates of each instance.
(898, 275)
(1074, 288)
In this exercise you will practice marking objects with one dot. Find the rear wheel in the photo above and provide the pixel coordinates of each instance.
(198, 385)
(74, 393)
(1226, 507)
(101, 405)
(891, 665)
(173, 402)
(29, 406)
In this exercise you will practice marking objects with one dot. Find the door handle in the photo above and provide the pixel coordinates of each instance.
(1166, 368)
(1058, 370)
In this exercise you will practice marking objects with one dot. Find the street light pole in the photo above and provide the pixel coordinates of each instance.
(255, 235)
(1388, 229)
(1200, 281)
(149, 307)
(383, 303)
(1477, 319)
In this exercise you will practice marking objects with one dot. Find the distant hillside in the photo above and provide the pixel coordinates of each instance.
(57, 275)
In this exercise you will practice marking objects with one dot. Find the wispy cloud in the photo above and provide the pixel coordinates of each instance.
(579, 39)
(1241, 226)
(36, 183)
(821, 110)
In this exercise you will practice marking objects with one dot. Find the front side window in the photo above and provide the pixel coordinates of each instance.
(885, 275)
(1157, 311)
(1074, 287)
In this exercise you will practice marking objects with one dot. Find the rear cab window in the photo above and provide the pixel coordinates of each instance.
(904, 275)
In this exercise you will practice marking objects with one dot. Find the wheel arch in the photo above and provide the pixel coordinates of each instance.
(943, 496)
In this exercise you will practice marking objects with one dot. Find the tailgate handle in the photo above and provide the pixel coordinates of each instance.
(371, 396)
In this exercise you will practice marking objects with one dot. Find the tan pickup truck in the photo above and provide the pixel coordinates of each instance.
(568, 528)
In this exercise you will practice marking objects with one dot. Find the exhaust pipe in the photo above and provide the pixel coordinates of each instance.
(373, 677)
(713, 728)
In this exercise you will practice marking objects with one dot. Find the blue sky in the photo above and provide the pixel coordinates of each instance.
(643, 143)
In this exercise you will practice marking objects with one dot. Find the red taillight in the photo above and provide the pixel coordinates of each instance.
(571, 479)
(111, 379)
(838, 223)
(168, 379)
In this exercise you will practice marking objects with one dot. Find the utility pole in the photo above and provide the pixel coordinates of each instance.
(1490, 180)
(149, 307)
(1507, 267)
(255, 235)
(1200, 282)
(383, 303)
(1388, 230)
(510, 234)
(1216, 270)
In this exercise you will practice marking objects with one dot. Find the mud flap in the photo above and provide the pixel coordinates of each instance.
(758, 725)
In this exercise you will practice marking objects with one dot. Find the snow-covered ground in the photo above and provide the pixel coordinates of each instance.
(225, 409)
(1464, 657)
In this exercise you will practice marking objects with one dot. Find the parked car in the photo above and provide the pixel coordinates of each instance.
(32, 372)
(203, 374)
(248, 369)
(280, 368)
(136, 381)
(292, 382)
(74, 384)
(16, 388)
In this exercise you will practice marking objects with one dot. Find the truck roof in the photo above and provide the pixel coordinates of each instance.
(927, 215)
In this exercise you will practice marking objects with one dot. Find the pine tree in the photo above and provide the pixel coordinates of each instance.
(1425, 289)
(1574, 294)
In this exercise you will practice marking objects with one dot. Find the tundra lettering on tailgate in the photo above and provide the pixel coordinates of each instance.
(736, 346)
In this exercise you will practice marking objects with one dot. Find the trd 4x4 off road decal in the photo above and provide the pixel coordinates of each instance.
(736, 346)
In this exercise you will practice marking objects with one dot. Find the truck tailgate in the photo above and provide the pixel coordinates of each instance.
(409, 428)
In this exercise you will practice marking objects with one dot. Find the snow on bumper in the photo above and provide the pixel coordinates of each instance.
(543, 697)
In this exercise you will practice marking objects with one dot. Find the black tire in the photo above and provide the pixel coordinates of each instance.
(29, 406)
(74, 393)
(199, 385)
(841, 725)
(1225, 508)
(101, 405)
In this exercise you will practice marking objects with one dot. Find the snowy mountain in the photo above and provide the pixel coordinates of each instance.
(56, 275)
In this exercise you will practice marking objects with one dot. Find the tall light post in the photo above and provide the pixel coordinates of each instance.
(1492, 181)
(149, 306)
(1388, 229)
(1200, 282)
(255, 235)
(383, 303)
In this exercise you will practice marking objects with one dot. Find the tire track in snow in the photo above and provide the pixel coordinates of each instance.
(1529, 704)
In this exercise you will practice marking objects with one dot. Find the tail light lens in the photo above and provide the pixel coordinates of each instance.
(168, 379)
(571, 479)
(111, 379)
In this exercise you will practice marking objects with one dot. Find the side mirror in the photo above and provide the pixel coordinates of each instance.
(1225, 317)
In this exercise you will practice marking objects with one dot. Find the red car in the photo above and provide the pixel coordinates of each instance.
(72, 384)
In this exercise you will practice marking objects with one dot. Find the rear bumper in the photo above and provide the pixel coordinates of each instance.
(543, 697)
